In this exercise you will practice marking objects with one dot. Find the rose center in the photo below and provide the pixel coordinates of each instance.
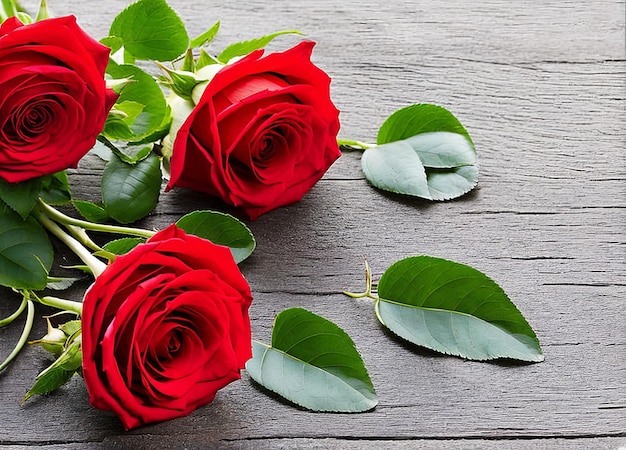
(31, 120)
(169, 346)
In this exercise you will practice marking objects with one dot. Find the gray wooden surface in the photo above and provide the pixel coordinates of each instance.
(541, 87)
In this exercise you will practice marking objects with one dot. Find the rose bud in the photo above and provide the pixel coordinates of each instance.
(53, 341)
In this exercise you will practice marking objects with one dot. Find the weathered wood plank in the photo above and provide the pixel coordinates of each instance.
(541, 88)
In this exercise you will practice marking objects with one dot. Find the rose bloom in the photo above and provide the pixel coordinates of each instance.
(164, 327)
(53, 98)
(260, 133)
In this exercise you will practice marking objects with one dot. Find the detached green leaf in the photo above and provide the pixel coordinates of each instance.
(424, 151)
(245, 47)
(454, 309)
(417, 119)
(130, 192)
(312, 363)
(443, 150)
(396, 168)
(222, 229)
(151, 29)
(25, 252)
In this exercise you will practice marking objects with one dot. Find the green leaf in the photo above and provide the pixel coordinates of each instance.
(245, 47)
(71, 327)
(222, 229)
(113, 42)
(25, 252)
(417, 119)
(205, 60)
(48, 382)
(130, 192)
(91, 211)
(21, 197)
(443, 150)
(205, 37)
(130, 109)
(132, 154)
(59, 373)
(453, 309)
(56, 189)
(452, 183)
(123, 245)
(312, 363)
(143, 93)
(397, 167)
(151, 29)
(424, 151)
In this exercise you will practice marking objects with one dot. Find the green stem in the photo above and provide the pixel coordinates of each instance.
(67, 220)
(15, 315)
(355, 145)
(25, 332)
(8, 8)
(80, 234)
(95, 265)
(369, 285)
(62, 304)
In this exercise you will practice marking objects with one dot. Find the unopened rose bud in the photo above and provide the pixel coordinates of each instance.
(53, 341)
(119, 84)
(206, 74)
(181, 109)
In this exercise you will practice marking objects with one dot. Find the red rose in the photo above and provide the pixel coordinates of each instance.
(164, 327)
(53, 98)
(262, 133)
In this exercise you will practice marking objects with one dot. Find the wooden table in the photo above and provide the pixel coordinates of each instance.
(541, 87)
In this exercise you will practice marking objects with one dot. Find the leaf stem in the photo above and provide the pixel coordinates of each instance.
(15, 315)
(67, 220)
(24, 337)
(350, 144)
(95, 265)
(80, 234)
(369, 285)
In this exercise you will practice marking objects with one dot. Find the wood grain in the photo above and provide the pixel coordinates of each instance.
(541, 88)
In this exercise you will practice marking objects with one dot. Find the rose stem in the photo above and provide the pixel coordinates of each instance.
(15, 315)
(356, 145)
(59, 303)
(95, 265)
(20, 343)
(60, 217)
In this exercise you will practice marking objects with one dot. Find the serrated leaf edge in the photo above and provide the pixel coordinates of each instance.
(540, 356)
(269, 347)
